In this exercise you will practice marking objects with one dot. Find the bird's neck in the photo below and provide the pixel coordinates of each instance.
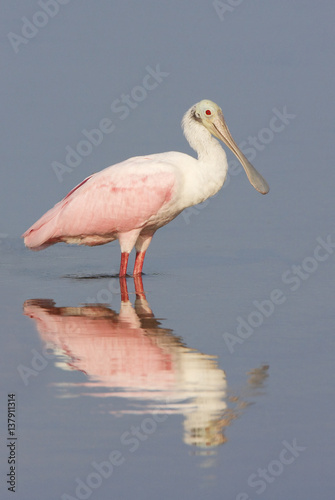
(211, 169)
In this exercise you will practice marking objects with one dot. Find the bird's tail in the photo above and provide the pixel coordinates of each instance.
(42, 234)
(46, 231)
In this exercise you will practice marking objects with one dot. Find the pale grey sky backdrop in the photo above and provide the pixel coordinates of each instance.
(250, 58)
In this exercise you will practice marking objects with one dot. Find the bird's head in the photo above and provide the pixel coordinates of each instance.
(211, 117)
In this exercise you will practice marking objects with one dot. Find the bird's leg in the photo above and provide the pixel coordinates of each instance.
(124, 264)
(142, 243)
(138, 263)
(127, 242)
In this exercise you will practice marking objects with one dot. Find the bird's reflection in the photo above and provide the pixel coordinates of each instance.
(131, 355)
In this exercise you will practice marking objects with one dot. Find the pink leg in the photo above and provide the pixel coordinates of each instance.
(138, 263)
(124, 264)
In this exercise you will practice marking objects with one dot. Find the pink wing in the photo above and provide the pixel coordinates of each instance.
(118, 199)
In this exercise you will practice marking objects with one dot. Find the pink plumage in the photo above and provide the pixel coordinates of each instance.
(118, 200)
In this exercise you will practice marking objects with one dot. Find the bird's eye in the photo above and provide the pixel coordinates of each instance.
(208, 112)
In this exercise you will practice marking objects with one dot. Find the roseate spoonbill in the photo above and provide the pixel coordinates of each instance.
(129, 201)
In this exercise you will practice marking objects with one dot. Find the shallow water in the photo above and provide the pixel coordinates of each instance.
(169, 386)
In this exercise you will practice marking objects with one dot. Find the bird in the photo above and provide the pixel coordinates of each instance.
(130, 200)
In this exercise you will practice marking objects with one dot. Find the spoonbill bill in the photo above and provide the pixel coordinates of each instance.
(130, 200)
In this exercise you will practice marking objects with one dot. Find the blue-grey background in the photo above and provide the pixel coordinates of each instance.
(205, 269)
